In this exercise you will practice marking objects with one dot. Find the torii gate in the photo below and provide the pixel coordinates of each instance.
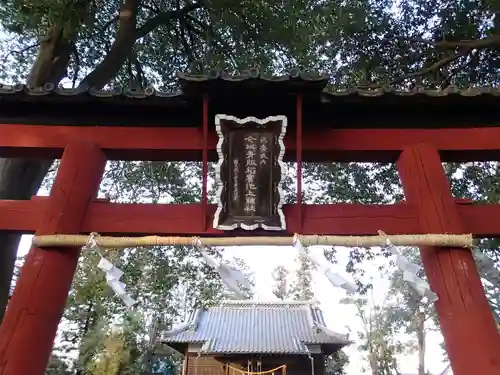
(416, 130)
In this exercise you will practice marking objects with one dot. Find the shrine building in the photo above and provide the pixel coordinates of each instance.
(254, 337)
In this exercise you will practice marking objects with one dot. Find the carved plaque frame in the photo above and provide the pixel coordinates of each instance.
(250, 173)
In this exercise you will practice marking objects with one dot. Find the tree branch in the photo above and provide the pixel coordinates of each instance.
(437, 65)
(21, 51)
(77, 63)
(432, 68)
(139, 78)
(164, 18)
(462, 47)
(120, 49)
(491, 41)
(126, 37)
(109, 23)
(205, 30)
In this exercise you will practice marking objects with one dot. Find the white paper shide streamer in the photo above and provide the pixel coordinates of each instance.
(410, 272)
(230, 275)
(113, 275)
(324, 266)
(487, 268)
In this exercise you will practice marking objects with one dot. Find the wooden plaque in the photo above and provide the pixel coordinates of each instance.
(249, 173)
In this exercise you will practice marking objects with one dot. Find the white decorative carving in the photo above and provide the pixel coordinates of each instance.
(252, 150)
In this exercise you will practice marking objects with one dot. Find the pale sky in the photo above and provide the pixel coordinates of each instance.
(339, 317)
(262, 260)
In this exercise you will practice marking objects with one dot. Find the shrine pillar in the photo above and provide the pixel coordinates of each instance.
(470, 334)
(30, 324)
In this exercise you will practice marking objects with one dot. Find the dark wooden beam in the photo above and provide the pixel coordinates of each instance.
(184, 219)
(185, 143)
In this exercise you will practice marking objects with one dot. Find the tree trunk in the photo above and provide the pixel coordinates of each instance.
(372, 360)
(21, 178)
(421, 342)
(120, 50)
(52, 59)
(90, 322)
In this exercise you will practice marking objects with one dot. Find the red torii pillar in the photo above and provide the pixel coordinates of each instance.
(30, 324)
(467, 324)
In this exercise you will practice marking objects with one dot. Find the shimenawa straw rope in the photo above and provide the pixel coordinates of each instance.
(443, 240)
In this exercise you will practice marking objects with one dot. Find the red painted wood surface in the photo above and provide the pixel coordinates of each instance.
(186, 143)
(467, 324)
(204, 164)
(185, 219)
(298, 157)
(29, 327)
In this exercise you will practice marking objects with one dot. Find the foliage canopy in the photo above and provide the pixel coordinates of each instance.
(144, 42)
(358, 42)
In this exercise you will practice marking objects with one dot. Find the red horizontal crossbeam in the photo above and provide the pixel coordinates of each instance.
(319, 144)
(185, 219)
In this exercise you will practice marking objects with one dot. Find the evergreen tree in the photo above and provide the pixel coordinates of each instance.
(167, 282)
(302, 290)
(241, 265)
(302, 286)
(280, 276)
(376, 337)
